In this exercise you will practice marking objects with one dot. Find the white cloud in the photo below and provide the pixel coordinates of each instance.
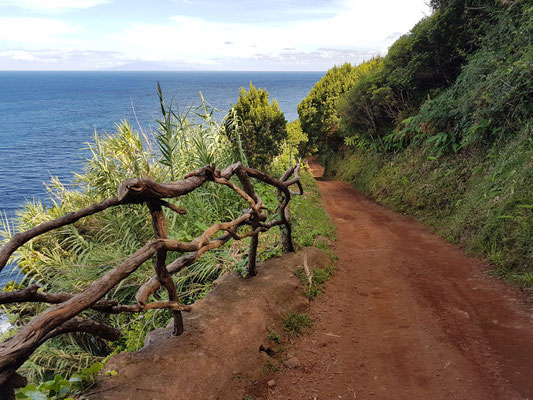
(290, 59)
(18, 55)
(52, 5)
(59, 59)
(34, 31)
(360, 25)
(351, 31)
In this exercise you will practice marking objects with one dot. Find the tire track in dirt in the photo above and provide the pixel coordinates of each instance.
(407, 316)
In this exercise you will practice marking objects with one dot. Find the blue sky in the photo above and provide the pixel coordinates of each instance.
(199, 34)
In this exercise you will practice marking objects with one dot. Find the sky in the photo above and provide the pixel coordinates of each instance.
(260, 35)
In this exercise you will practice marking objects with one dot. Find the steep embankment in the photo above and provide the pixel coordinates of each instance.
(219, 353)
(441, 128)
(407, 316)
(482, 200)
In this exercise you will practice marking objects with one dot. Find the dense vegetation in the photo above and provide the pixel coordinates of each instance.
(318, 111)
(441, 128)
(257, 126)
(70, 258)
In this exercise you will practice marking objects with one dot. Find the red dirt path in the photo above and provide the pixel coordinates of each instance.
(407, 316)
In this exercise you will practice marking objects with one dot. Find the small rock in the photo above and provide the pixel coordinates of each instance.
(292, 362)
(271, 383)
(460, 313)
(495, 321)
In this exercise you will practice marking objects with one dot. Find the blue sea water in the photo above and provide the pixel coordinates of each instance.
(47, 117)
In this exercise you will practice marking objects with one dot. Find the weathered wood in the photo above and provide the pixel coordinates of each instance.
(141, 190)
(173, 207)
(60, 318)
(286, 231)
(160, 229)
(205, 237)
(287, 174)
(254, 241)
(7, 390)
(153, 284)
(23, 237)
(104, 331)
(283, 187)
(207, 171)
(14, 352)
(31, 294)
(91, 326)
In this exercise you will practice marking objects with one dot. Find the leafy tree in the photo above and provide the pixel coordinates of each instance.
(492, 97)
(293, 148)
(368, 106)
(318, 111)
(261, 126)
(418, 66)
(296, 138)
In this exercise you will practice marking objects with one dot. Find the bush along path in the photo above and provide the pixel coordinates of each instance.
(406, 316)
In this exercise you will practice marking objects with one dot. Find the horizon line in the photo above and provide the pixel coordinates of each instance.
(151, 70)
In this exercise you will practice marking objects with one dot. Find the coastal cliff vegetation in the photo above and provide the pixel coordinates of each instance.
(70, 258)
(441, 128)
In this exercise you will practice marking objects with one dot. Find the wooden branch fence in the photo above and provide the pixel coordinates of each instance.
(61, 318)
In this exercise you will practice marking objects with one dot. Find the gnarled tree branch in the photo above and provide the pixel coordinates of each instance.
(60, 318)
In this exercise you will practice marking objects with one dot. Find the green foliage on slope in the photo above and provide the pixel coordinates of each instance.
(480, 199)
(70, 258)
(442, 129)
(420, 66)
(318, 111)
(262, 126)
(492, 98)
(293, 149)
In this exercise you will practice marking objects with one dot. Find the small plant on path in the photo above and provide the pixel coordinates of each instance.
(297, 323)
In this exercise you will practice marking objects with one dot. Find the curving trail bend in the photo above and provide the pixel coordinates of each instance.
(407, 316)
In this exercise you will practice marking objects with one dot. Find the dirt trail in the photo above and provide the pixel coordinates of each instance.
(407, 316)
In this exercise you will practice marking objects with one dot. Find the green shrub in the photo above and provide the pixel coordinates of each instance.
(492, 97)
(314, 279)
(274, 336)
(318, 111)
(260, 127)
(59, 387)
(297, 323)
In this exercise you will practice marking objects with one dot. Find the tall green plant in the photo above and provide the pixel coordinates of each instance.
(318, 111)
(70, 258)
(261, 126)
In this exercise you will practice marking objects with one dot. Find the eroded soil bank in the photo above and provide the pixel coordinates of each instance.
(218, 354)
(406, 316)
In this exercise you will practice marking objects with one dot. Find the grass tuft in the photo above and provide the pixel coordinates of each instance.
(296, 323)
(314, 279)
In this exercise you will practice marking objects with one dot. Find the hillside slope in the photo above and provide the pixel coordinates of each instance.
(406, 316)
(442, 129)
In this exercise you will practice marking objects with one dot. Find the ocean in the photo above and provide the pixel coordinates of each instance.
(47, 117)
